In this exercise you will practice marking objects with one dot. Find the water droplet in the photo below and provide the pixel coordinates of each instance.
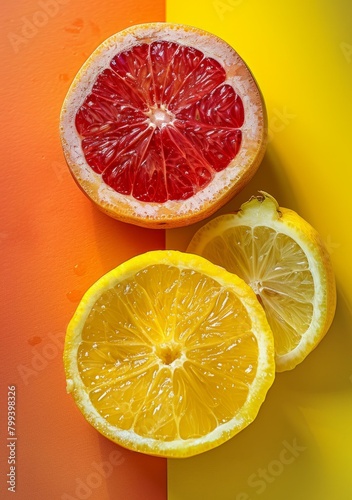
(64, 77)
(95, 30)
(75, 27)
(34, 340)
(74, 295)
(80, 269)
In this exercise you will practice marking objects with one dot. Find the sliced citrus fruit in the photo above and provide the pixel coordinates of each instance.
(285, 262)
(169, 354)
(163, 124)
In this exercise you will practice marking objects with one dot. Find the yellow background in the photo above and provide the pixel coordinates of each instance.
(301, 55)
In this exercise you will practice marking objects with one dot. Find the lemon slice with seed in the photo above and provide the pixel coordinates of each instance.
(169, 354)
(287, 265)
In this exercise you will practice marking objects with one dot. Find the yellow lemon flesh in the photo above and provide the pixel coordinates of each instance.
(169, 354)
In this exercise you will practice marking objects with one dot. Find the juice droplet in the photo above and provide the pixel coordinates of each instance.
(74, 295)
(34, 340)
(80, 269)
(75, 26)
(64, 77)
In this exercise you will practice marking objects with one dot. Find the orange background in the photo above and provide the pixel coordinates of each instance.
(301, 55)
(55, 244)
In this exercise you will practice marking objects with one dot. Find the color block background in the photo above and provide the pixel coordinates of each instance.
(54, 244)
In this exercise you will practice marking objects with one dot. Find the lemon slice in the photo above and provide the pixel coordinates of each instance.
(285, 262)
(169, 354)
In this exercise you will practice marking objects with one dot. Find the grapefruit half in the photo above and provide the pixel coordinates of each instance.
(163, 124)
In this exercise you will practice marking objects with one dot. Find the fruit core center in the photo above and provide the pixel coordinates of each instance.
(160, 116)
(257, 286)
(168, 353)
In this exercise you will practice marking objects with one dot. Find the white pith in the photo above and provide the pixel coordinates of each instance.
(159, 116)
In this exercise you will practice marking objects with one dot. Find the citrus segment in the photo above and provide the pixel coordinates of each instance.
(135, 91)
(161, 114)
(284, 261)
(169, 354)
